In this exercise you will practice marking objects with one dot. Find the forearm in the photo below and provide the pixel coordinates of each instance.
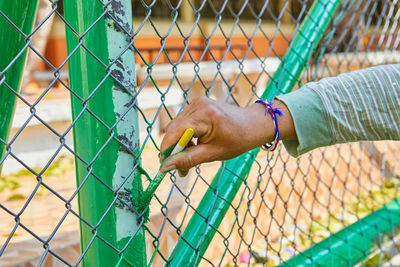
(362, 105)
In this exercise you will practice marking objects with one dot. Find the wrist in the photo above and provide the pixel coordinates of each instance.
(262, 123)
(262, 127)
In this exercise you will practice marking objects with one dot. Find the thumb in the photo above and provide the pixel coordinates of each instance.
(187, 159)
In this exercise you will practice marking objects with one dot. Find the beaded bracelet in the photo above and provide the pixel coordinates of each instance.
(272, 111)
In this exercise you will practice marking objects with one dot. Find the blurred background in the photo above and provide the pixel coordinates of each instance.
(231, 58)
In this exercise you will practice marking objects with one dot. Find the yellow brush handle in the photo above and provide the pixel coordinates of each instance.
(183, 141)
(186, 137)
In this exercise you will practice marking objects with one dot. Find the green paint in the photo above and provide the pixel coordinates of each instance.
(166, 153)
(212, 208)
(354, 243)
(142, 202)
(22, 14)
(109, 149)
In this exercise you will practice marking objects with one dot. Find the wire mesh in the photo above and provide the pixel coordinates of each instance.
(225, 50)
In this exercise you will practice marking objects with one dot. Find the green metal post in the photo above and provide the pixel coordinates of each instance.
(355, 242)
(215, 203)
(109, 151)
(22, 14)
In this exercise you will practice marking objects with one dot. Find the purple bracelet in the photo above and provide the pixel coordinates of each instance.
(272, 111)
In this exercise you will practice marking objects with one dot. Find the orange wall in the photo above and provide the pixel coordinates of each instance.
(56, 51)
(261, 47)
(148, 47)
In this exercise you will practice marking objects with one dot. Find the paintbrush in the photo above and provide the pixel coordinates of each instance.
(148, 194)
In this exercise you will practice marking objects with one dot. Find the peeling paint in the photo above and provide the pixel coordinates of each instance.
(130, 103)
(124, 200)
(123, 69)
(128, 142)
(123, 73)
(117, 7)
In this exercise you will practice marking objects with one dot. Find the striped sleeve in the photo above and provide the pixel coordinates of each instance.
(357, 106)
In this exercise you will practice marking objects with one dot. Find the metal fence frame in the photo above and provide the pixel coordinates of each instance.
(105, 204)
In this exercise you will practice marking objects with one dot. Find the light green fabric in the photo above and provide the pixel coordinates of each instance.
(361, 105)
(309, 120)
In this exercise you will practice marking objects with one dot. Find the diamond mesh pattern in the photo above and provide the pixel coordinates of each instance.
(228, 51)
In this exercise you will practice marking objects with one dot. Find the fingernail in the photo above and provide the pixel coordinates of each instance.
(168, 166)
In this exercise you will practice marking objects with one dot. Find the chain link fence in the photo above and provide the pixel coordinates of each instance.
(125, 69)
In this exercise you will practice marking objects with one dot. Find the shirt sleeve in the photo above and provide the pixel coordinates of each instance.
(357, 106)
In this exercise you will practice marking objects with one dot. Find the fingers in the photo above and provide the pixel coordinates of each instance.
(187, 159)
(172, 135)
(193, 116)
(175, 132)
(168, 143)
(197, 115)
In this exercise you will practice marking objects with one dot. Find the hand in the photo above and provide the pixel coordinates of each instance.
(223, 131)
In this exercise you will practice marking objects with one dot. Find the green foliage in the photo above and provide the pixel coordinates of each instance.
(16, 196)
(8, 183)
(15, 181)
(60, 166)
(376, 260)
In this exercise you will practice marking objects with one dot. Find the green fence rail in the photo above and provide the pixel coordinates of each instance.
(15, 46)
(105, 131)
(354, 243)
